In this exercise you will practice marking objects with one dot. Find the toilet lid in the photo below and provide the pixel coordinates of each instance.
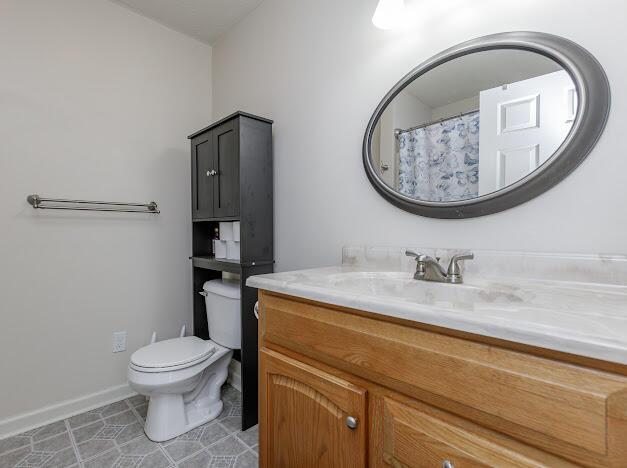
(174, 352)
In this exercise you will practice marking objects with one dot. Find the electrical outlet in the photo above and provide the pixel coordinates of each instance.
(119, 341)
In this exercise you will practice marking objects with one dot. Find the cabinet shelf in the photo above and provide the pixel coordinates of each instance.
(223, 218)
(218, 264)
(224, 264)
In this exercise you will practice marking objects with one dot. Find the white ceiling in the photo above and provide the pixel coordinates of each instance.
(204, 20)
(466, 76)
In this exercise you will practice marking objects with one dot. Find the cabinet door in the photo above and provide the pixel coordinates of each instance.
(304, 415)
(404, 436)
(202, 178)
(226, 164)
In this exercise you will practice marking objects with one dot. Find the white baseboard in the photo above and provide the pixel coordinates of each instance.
(65, 409)
(235, 374)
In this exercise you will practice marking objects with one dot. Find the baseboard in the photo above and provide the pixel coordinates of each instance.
(235, 374)
(65, 409)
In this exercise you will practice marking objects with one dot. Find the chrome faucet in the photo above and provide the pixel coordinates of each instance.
(429, 268)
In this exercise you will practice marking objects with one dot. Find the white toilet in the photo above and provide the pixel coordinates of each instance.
(183, 376)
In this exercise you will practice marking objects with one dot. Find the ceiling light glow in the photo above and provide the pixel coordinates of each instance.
(389, 14)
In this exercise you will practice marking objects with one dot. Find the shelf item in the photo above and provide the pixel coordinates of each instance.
(232, 250)
(226, 230)
(236, 231)
(220, 248)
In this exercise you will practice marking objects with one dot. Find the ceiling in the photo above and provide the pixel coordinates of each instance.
(466, 76)
(204, 20)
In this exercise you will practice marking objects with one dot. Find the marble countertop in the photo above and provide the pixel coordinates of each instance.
(565, 313)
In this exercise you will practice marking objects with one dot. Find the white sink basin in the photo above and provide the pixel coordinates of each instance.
(402, 286)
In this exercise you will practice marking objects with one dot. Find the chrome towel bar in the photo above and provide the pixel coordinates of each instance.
(42, 203)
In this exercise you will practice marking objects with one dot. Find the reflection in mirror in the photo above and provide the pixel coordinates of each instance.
(474, 125)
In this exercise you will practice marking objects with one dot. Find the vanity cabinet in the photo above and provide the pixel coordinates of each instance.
(435, 397)
(309, 415)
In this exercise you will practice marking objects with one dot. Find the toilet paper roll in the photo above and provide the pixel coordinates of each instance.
(232, 250)
(226, 231)
(219, 248)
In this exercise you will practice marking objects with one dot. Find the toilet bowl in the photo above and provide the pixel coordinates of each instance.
(183, 376)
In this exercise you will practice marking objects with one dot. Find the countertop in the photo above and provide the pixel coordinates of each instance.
(582, 318)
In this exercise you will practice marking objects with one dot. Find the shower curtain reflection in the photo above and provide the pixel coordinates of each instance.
(440, 162)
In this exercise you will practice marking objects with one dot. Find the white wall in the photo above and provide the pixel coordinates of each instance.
(320, 68)
(457, 107)
(410, 111)
(95, 103)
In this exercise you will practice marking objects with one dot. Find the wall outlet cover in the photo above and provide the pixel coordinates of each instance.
(119, 341)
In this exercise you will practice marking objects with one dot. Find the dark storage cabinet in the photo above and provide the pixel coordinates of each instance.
(215, 172)
(232, 181)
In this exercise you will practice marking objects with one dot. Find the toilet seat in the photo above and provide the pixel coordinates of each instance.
(174, 354)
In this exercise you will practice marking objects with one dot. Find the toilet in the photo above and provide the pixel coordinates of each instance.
(183, 376)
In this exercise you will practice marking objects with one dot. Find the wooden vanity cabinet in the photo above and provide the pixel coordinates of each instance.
(426, 397)
(306, 413)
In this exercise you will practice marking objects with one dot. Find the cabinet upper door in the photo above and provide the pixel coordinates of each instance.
(309, 418)
(226, 164)
(202, 176)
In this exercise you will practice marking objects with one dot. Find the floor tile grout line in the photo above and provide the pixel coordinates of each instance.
(135, 412)
(101, 453)
(242, 441)
(73, 442)
(22, 447)
(167, 455)
(117, 446)
(32, 441)
(203, 449)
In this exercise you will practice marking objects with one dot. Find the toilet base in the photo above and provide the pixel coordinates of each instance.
(176, 426)
(170, 414)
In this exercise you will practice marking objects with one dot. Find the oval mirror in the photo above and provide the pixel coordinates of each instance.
(486, 125)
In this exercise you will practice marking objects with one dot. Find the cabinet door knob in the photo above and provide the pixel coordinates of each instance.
(447, 464)
(212, 172)
(351, 422)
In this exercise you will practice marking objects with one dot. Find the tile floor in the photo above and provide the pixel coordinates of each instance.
(113, 436)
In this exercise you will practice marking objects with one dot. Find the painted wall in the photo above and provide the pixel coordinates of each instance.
(96, 102)
(320, 68)
(457, 107)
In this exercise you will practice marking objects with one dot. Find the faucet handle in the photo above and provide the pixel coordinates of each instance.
(454, 269)
(412, 253)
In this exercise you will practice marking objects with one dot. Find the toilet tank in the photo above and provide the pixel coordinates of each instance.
(222, 301)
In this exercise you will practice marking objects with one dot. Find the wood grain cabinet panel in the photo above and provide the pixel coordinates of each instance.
(303, 417)
(572, 411)
(403, 436)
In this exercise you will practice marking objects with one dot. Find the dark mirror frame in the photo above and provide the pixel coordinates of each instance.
(593, 91)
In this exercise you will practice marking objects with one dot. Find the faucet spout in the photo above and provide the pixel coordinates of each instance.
(429, 268)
